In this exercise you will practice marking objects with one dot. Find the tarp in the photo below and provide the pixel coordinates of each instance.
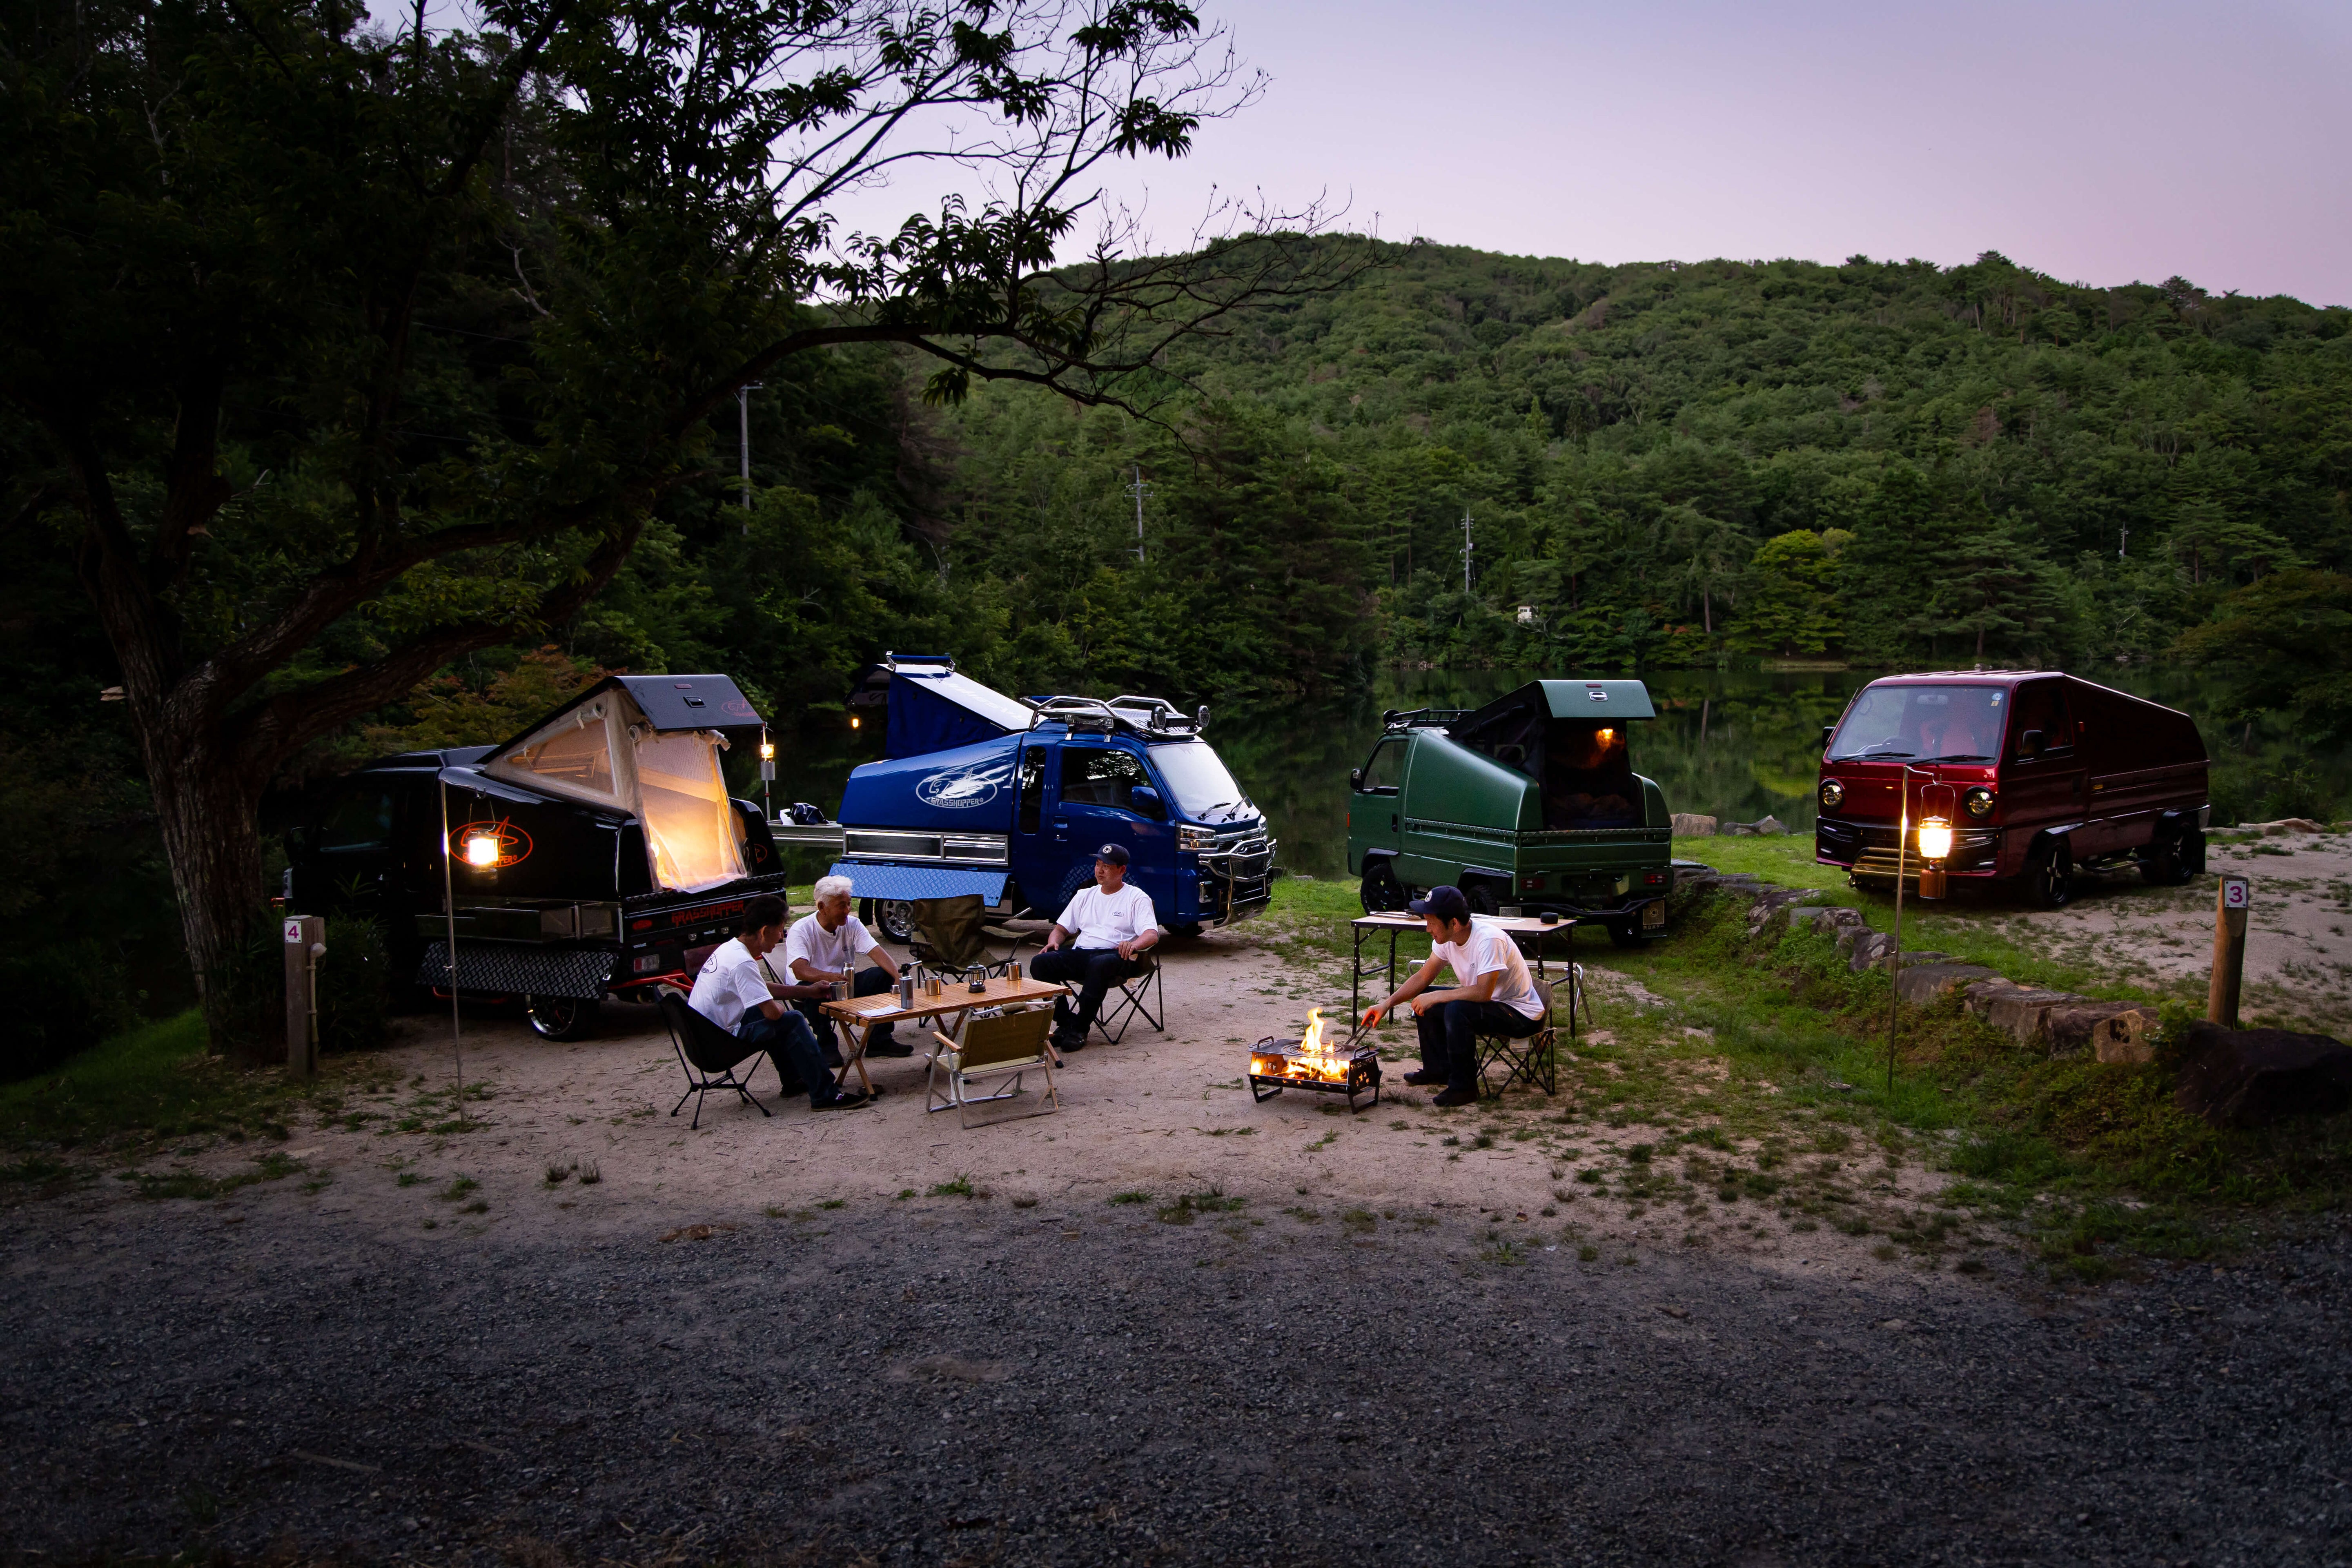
(937, 711)
(870, 879)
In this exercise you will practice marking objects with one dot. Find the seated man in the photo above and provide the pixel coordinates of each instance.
(730, 993)
(822, 949)
(1113, 925)
(1492, 996)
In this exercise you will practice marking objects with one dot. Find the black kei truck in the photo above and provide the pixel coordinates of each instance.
(592, 857)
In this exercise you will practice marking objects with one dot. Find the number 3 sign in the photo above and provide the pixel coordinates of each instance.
(2237, 893)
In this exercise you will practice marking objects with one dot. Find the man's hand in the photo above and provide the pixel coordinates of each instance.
(1373, 1015)
(1128, 950)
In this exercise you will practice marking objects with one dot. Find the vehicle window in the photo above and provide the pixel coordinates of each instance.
(1197, 778)
(1384, 773)
(2043, 707)
(357, 819)
(1098, 775)
(1033, 787)
(1924, 723)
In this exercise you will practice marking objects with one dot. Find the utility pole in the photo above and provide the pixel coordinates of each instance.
(2123, 542)
(1139, 490)
(743, 439)
(1466, 548)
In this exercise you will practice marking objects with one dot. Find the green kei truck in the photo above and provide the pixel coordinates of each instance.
(1528, 805)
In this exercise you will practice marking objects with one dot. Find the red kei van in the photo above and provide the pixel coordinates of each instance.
(2037, 774)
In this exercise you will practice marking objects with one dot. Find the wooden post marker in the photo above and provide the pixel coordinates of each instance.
(305, 940)
(2236, 897)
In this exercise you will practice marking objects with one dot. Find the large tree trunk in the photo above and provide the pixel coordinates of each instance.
(208, 805)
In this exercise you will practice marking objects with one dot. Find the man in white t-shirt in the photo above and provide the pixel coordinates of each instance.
(1492, 995)
(824, 948)
(732, 994)
(1108, 927)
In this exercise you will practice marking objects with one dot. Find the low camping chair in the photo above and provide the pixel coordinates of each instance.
(1011, 1042)
(1531, 1058)
(1139, 995)
(708, 1054)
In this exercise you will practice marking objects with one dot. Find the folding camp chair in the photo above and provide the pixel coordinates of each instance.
(1532, 1058)
(1139, 995)
(708, 1054)
(1011, 1042)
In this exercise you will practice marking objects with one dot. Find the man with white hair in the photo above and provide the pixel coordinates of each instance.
(822, 949)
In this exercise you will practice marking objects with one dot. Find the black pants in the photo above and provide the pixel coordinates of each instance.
(792, 1047)
(1095, 971)
(870, 982)
(1449, 1036)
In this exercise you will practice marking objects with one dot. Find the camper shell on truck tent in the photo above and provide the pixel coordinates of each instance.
(2039, 773)
(1007, 799)
(1528, 805)
(595, 855)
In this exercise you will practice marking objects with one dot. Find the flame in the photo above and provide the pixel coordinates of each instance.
(1316, 1058)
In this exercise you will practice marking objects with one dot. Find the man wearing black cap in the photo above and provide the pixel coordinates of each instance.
(1109, 926)
(1492, 995)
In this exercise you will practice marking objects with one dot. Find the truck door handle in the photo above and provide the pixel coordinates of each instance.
(1392, 822)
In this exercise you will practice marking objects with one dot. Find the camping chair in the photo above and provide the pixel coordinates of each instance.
(708, 1054)
(1010, 1042)
(1138, 995)
(1532, 1058)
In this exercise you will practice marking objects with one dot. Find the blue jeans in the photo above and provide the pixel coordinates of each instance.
(871, 981)
(791, 1044)
(1449, 1037)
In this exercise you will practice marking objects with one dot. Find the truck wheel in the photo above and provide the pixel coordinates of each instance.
(1480, 896)
(560, 1017)
(1381, 890)
(1624, 933)
(894, 918)
(2166, 862)
(1188, 929)
(2050, 876)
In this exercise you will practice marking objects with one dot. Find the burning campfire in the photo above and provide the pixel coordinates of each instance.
(1315, 1061)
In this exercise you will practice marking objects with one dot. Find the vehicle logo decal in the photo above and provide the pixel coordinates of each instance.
(960, 789)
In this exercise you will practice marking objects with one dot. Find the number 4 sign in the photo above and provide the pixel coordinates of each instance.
(294, 930)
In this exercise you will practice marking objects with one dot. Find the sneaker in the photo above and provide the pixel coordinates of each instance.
(1456, 1097)
(1065, 1044)
(1425, 1075)
(842, 1099)
(889, 1048)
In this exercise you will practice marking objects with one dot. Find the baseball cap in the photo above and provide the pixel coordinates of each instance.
(1113, 853)
(1445, 902)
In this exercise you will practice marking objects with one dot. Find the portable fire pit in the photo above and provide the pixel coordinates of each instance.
(1313, 1062)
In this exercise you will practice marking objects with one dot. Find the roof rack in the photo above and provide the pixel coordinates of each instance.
(1149, 716)
(1417, 717)
(891, 661)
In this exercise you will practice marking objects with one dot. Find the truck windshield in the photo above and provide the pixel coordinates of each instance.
(1922, 723)
(1196, 776)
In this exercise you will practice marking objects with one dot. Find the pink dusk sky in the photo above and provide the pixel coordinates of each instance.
(2095, 141)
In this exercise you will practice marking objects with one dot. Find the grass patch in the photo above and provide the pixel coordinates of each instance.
(960, 1187)
(1190, 1206)
(1136, 1196)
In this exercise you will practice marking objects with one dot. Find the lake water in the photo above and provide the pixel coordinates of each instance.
(1736, 745)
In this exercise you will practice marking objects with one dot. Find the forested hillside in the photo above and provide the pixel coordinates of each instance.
(1663, 465)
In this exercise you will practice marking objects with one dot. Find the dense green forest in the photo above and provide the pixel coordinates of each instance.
(1662, 465)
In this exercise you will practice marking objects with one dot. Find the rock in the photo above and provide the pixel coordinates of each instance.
(1831, 921)
(1690, 826)
(1764, 827)
(2273, 829)
(2021, 1012)
(2127, 1039)
(2249, 1077)
(2079, 1025)
(1772, 902)
(1868, 951)
(1926, 983)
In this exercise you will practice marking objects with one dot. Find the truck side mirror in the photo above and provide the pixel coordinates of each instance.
(1144, 801)
(2029, 743)
(1827, 730)
(1356, 780)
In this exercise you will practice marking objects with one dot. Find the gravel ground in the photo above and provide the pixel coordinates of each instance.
(961, 1381)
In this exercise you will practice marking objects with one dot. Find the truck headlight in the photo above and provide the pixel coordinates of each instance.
(1978, 801)
(1832, 794)
(1190, 838)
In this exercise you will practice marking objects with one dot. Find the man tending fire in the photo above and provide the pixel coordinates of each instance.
(1492, 995)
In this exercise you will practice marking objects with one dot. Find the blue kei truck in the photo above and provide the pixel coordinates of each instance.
(1008, 799)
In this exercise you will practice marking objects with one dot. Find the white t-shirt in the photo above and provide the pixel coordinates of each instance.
(1099, 919)
(1489, 950)
(837, 950)
(729, 985)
